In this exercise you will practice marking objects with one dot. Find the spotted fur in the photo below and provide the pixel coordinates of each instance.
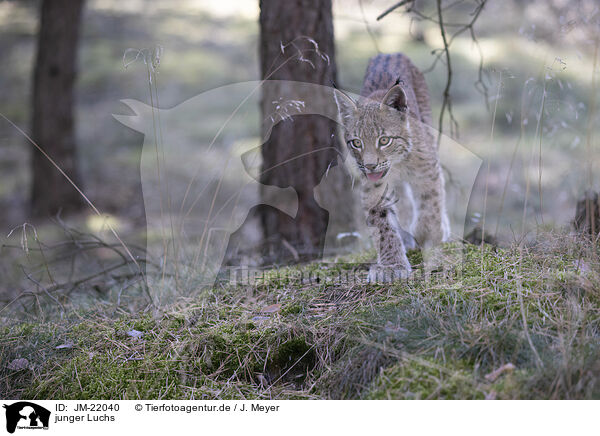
(388, 135)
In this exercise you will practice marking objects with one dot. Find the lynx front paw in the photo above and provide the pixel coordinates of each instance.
(388, 273)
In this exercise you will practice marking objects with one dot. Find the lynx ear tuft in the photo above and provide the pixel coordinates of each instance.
(396, 98)
(346, 106)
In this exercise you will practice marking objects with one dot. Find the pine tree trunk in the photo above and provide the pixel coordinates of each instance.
(53, 98)
(309, 136)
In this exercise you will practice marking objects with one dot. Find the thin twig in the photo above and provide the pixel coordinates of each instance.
(487, 173)
(87, 200)
(366, 23)
(446, 101)
(438, 19)
(393, 8)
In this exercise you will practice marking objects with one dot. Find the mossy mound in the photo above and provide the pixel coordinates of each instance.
(447, 336)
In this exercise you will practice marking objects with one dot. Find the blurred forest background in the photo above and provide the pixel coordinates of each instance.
(522, 95)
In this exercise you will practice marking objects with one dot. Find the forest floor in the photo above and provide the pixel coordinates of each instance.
(507, 323)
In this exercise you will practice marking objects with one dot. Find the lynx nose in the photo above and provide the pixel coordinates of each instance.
(370, 167)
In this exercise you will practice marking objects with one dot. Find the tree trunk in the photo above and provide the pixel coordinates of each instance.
(53, 123)
(587, 214)
(299, 150)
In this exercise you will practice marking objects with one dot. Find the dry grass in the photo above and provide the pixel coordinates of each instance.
(286, 338)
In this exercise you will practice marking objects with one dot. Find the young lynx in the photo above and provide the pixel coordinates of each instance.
(388, 135)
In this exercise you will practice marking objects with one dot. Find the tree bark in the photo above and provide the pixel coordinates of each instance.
(299, 150)
(53, 98)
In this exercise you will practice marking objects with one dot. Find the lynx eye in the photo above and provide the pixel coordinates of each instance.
(355, 143)
(384, 141)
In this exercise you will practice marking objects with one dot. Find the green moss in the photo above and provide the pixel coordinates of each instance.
(433, 338)
(415, 257)
(109, 377)
(144, 324)
(26, 329)
(291, 309)
(295, 353)
(426, 379)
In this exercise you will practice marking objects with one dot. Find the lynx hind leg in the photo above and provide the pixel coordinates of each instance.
(433, 256)
(445, 226)
(432, 228)
(406, 210)
(392, 263)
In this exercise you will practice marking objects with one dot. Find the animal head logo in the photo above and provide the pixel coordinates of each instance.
(24, 414)
(201, 171)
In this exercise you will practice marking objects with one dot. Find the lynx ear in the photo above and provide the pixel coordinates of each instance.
(346, 106)
(395, 98)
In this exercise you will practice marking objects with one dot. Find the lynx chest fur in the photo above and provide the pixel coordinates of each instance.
(388, 135)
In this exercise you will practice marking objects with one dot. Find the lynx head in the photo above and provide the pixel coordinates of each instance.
(376, 129)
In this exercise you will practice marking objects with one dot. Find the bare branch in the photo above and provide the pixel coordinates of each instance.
(393, 8)
(444, 52)
(446, 101)
(369, 30)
